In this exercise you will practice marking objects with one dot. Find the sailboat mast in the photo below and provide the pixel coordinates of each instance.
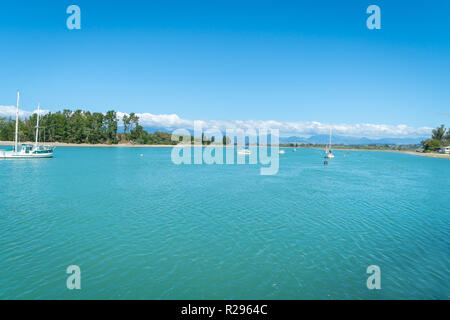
(330, 136)
(17, 123)
(37, 126)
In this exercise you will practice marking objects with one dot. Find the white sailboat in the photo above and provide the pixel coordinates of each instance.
(328, 153)
(27, 151)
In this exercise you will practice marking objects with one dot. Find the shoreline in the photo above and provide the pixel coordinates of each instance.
(129, 145)
(413, 153)
(88, 145)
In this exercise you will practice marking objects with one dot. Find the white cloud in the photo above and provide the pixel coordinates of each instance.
(368, 130)
(10, 111)
(164, 121)
(299, 128)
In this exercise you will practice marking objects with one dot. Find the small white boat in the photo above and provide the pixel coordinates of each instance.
(281, 152)
(328, 153)
(295, 150)
(27, 151)
(244, 152)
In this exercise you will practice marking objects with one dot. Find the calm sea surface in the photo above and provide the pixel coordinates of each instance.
(144, 228)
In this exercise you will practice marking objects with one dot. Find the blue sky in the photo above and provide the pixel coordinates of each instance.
(286, 61)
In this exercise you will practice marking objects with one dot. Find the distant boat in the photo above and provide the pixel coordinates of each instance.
(328, 153)
(244, 152)
(281, 152)
(27, 151)
(295, 150)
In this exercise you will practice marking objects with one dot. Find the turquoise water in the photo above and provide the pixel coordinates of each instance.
(144, 228)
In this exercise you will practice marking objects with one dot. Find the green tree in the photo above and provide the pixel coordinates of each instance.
(95, 132)
(126, 123)
(226, 140)
(110, 124)
(205, 140)
(137, 134)
(438, 133)
(447, 137)
(134, 121)
(7, 127)
(431, 145)
(77, 127)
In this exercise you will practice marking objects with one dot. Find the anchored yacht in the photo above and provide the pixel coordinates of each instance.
(328, 153)
(27, 151)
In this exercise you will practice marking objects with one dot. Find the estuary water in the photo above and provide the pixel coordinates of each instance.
(141, 227)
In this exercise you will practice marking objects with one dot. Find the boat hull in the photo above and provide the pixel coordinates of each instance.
(12, 156)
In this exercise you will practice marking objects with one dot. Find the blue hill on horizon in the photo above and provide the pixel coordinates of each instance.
(346, 140)
(324, 138)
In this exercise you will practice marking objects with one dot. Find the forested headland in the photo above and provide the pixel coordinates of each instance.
(83, 127)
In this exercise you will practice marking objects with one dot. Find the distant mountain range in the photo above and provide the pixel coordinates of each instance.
(324, 138)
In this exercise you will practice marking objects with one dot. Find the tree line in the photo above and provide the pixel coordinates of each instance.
(440, 137)
(82, 127)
